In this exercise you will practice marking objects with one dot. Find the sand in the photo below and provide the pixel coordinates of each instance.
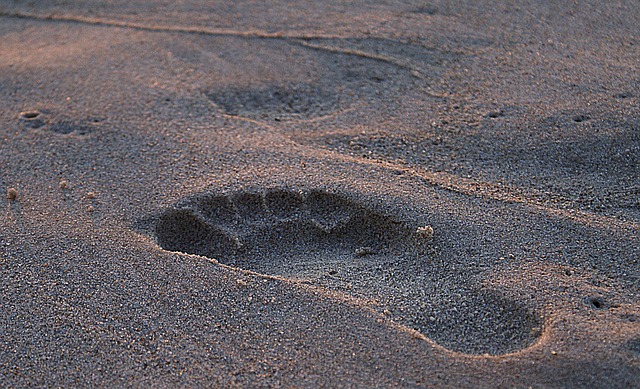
(320, 194)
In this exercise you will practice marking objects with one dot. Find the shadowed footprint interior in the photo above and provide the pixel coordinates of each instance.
(335, 242)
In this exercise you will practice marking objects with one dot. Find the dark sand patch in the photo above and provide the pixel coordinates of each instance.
(277, 102)
(568, 159)
(634, 346)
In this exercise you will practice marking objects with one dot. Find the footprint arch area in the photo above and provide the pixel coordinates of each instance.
(341, 244)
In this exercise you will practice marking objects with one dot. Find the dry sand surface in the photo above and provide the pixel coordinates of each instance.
(320, 193)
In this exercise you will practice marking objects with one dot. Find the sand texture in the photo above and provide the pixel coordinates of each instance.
(320, 193)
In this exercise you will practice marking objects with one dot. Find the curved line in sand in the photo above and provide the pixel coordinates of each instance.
(165, 28)
(502, 194)
(366, 305)
(292, 37)
(539, 341)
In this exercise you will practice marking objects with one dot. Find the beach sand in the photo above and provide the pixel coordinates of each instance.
(320, 194)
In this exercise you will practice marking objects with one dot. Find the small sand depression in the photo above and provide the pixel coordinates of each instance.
(278, 102)
(12, 194)
(55, 122)
(342, 245)
(31, 119)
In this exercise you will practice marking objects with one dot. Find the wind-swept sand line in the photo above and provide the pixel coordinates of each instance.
(165, 28)
(473, 188)
(363, 54)
(292, 37)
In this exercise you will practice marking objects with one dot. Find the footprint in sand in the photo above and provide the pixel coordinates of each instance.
(301, 101)
(45, 120)
(339, 244)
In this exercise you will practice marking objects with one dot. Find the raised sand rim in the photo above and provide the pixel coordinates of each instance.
(340, 244)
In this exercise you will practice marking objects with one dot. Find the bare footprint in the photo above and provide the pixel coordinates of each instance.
(339, 244)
